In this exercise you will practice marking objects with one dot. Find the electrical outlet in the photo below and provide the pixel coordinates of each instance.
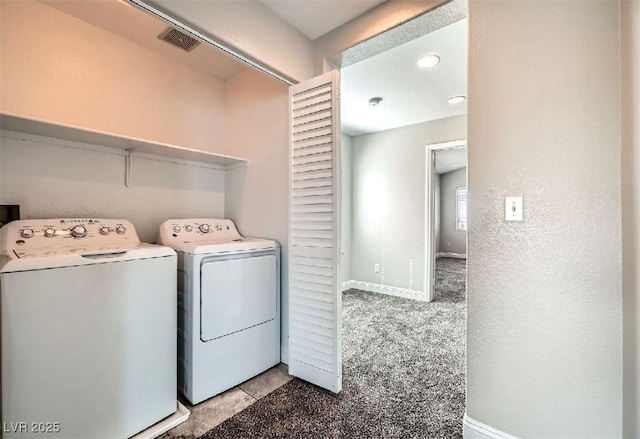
(376, 268)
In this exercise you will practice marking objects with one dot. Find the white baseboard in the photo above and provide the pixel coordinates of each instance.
(284, 354)
(384, 289)
(472, 429)
(451, 255)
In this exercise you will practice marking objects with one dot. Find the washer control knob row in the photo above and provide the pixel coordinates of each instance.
(49, 232)
(104, 230)
(204, 228)
(26, 233)
(120, 230)
(78, 231)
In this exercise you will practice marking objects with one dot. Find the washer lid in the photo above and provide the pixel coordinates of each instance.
(40, 259)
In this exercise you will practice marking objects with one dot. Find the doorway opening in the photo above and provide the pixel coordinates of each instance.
(446, 220)
(400, 347)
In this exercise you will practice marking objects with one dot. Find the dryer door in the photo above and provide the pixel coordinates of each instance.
(237, 293)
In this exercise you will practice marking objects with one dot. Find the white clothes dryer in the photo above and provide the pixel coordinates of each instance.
(228, 305)
(88, 330)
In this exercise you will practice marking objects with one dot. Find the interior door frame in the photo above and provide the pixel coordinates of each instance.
(430, 212)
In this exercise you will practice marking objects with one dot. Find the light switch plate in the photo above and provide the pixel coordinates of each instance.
(513, 209)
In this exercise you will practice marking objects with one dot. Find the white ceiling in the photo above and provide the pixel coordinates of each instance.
(315, 18)
(450, 160)
(141, 28)
(409, 95)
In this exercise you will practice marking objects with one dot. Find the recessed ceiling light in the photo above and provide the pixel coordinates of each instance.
(428, 61)
(456, 99)
(374, 101)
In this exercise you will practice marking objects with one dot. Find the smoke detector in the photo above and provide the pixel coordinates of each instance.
(178, 39)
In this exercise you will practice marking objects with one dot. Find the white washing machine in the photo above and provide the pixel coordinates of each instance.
(228, 305)
(88, 330)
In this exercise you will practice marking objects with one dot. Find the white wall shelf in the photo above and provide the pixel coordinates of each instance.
(128, 144)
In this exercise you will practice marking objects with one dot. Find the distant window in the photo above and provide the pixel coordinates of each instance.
(461, 208)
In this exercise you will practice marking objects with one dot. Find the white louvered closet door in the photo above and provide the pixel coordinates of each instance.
(315, 347)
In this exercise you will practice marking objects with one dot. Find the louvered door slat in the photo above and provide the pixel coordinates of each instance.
(312, 225)
(303, 127)
(309, 183)
(312, 150)
(313, 191)
(313, 158)
(308, 93)
(312, 134)
(301, 120)
(315, 349)
(313, 262)
(299, 147)
(310, 110)
(310, 102)
(324, 340)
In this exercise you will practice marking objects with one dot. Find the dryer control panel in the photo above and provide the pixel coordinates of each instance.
(198, 230)
(80, 234)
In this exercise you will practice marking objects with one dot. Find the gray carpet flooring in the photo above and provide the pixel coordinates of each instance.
(403, 373)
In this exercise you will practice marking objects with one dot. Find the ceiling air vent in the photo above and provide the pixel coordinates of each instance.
(178, 39)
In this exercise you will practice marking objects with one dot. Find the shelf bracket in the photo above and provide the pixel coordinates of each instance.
(128, 165)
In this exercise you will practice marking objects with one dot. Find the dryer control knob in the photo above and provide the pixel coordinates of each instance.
(78, 231)
(104, 230)
(204, 228)
(120, 230)
(176, 229)
(26, 233)
(49, 232)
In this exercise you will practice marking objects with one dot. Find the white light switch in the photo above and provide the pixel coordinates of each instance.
(513, 209)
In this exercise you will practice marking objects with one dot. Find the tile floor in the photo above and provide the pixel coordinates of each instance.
(214, 411)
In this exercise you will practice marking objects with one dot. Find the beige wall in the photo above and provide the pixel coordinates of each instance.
(544, 347)
(60, 69)
(389, 199)
(257, 197)
(57, 179)
(630, 35)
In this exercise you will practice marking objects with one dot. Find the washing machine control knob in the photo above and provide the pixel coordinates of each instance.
(120, 230)
(104, 230)
(204, 228)
(79, 231)
(49, 232)
(218, 227)
(188, 228)
(176, 229)
(26, 233)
